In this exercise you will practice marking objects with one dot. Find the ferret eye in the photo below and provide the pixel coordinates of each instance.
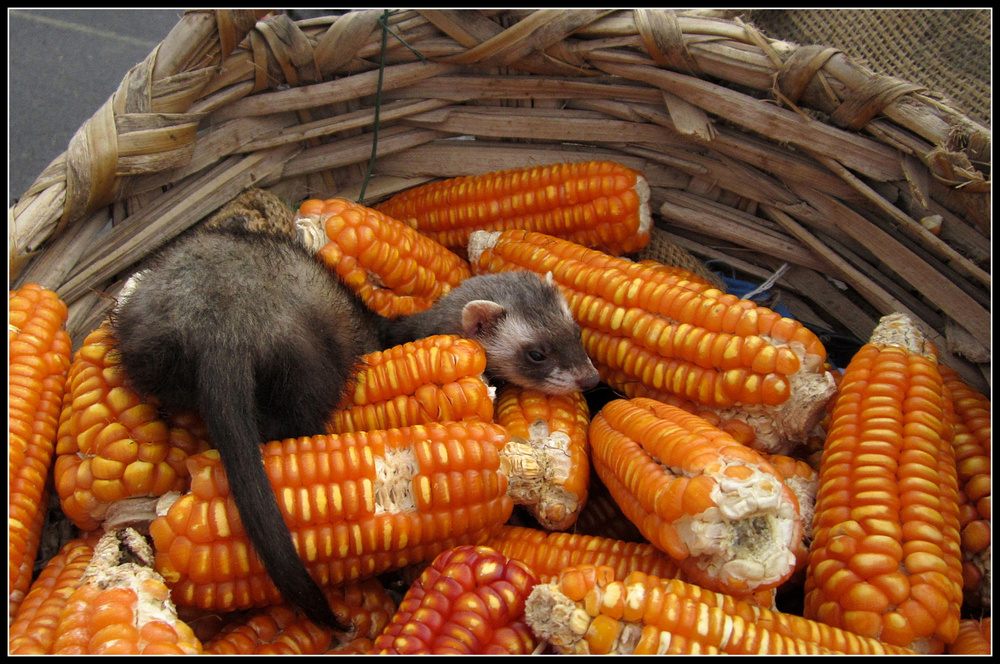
(535, 355)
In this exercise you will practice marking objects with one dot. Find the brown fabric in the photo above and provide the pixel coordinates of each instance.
(946, 50)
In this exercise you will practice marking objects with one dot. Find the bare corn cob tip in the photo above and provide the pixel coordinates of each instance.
(587, 611)
(393, 268)
(100, 602)
(547, 461)
(716, 506)
(596, 203)
(435, 379)
(470, 600)
(675, 335)
(356, 504)
(38, 356)
(112, 444)
(885, 560)
(284, 630)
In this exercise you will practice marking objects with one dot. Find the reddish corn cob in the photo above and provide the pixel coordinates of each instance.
(972, 443)
(587, 611)
(394, 269)
(112, 445)
(283, 630)
(885, 560)
(556, 427)
(97, 603)
(356, 505)
(718, 507)
(974, 637)
(38, 357)
(679, 336)
(597, 203)
(435, 379)
(469, 601)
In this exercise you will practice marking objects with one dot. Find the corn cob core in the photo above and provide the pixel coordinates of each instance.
(38, 356)
(588, 611)
(596, 203)
(550, 435)
(470, 601)
(885, 560)
(435, 379)
(356, 505)
(680, 336)
(393, 268)
(718, 507)
(112, 444)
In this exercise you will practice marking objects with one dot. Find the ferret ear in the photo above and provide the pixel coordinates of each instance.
(549, 279)
(478, 316)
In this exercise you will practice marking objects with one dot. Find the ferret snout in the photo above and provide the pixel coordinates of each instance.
(587, 379)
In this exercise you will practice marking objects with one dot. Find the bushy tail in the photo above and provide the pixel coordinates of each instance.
(226, 401)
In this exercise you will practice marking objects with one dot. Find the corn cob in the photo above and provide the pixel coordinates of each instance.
(587, 611)
(716, 506)
(356, 505)
(112, 445)
(556, 426)
(394, 269)
(974, 637)
(470, 601)
(96, 601)
(885, 560)
(32, 630)
(435, 379)
(972, 443)
(597, 203)
(283, 630)
(680, 336)
(38, 357)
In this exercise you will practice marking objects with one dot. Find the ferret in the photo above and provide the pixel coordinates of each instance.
(250, 330)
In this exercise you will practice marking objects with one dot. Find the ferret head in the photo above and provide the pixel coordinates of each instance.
(534, 343)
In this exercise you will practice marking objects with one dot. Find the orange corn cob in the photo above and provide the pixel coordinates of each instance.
(356, 504)
(435, 379)
(34, 624)
(113, 445)
(716, 506)
(972, 443)
(680, 336)
(631, 388)
(596, 203)
(602, 517)
(38, 351)
(885, 560)
(548, 554)
(469, 601)
(98, 602)
(394, 269)
(283, 630)
(587, 611)
(556, 426)
(974, 637)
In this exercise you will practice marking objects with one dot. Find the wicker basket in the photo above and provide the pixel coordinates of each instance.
(759, 152)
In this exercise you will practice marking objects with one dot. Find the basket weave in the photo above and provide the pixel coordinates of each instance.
(758, 152)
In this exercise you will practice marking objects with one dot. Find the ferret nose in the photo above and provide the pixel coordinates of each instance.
(589, 380)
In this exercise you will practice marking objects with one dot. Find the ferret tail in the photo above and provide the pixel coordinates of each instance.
(226, 400)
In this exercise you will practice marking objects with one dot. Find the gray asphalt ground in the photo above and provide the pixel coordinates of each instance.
(62, 65)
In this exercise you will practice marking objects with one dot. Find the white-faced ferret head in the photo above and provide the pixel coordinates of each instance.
(532, 341)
